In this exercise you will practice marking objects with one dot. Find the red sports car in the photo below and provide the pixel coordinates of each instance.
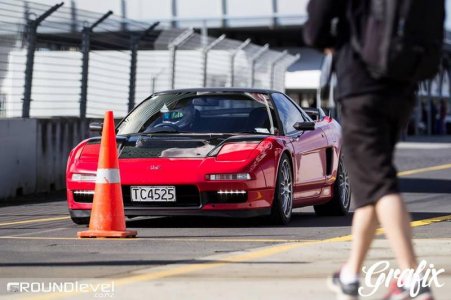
(219, 152)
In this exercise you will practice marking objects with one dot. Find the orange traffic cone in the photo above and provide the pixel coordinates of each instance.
(107, 214)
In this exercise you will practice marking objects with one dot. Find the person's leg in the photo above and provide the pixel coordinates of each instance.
(345, 282)
(363, 142)
(390, 208)
(364, 225)
(395, 219)
(363, 139)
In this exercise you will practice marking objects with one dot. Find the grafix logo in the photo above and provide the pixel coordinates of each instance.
(380, 274)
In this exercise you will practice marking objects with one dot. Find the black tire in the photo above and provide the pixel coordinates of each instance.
(282, 206)
(341, 202)
(80, 221)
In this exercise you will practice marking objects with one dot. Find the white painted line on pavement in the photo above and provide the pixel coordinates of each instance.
(423, 146)
(34, 221)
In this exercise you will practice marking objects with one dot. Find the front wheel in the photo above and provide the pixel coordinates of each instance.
(282, 206)
(341, 201)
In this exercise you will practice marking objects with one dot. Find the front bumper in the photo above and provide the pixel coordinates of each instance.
(257, 203)
(136, 212)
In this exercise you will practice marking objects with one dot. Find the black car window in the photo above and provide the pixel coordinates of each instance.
(289, 114)
(201, 113)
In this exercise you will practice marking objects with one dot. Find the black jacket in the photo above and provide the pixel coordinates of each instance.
(327, 27)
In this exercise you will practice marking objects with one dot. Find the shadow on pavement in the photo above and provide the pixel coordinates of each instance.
(143, 262)
(55, 196)
(429, 139)
(421, 185)
(416, 216)
(300, 220)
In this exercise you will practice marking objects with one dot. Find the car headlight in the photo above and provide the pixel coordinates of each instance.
(236, 151)
(237, 176)
(84, 177)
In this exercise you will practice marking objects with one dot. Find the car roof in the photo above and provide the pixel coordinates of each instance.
(219, 90)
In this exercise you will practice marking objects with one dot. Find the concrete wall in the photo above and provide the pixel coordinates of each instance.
(33, 153)
(17, 156)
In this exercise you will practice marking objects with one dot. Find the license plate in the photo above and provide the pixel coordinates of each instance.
(153, 193)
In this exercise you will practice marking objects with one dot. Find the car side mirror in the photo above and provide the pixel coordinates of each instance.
(96, 127)
(304, 126)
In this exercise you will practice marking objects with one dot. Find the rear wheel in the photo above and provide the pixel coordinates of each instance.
(341, 201)
(282, 206)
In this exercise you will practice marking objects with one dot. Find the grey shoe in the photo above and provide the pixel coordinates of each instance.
(343, 291)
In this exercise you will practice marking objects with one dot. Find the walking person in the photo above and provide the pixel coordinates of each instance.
(376, 104)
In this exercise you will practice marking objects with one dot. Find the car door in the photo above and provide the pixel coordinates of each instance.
(309, 149)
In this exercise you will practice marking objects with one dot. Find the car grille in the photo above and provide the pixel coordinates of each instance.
(186, 196)
(83, 196)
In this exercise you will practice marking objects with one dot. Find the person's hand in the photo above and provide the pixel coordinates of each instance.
(329, 51)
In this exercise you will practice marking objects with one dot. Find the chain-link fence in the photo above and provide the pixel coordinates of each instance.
(59, 61)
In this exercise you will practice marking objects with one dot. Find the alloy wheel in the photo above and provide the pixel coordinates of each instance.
(286, 189)
(345, 186)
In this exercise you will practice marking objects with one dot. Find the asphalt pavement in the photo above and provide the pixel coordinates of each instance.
(211, 258)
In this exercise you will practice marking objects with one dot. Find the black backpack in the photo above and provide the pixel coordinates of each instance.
(398, 39)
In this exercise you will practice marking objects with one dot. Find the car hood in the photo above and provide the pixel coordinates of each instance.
(176, 145)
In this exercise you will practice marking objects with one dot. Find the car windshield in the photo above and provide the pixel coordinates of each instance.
(201, 113)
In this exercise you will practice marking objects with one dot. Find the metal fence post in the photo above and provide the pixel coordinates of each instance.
(232, 60)
(32, 28)
(123, 15)
(224, 13)
(153, 80)
(205, 56)
(85, 48)
(275, 11)
(179, 40)
(254, 61)
(204, 34)
(73, 16)
(174, 13)
(272, 67)
(26, 12)
(134, 45)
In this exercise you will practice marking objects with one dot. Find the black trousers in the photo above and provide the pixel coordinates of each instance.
(371, 125)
